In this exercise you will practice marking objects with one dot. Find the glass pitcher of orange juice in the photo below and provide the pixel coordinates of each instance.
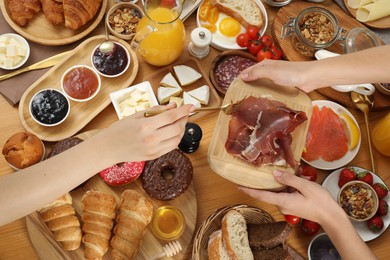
(381, 135)
(160, 34)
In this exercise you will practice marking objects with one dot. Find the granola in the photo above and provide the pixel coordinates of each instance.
(317, 28)
(125, 20)
(357, 201)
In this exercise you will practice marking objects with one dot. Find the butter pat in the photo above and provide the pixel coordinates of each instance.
(13, 51)
(133, 101)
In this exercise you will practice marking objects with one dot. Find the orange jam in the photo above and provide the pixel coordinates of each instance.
(80, 83)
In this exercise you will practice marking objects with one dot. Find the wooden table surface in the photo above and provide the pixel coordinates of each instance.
(213, 191)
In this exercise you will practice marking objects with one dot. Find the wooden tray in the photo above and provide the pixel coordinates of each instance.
(383, 23)
(347, 22)
(80, 112)
(236, 169)
(41, 31)
(156, 77)
(47, 248)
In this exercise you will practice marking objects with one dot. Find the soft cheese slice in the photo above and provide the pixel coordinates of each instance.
(190, 100)
(169, 81)
(177, 100)
(164, 94)
(186, 74)
(202, 94)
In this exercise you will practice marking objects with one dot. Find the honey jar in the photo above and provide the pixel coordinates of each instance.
(168, 223)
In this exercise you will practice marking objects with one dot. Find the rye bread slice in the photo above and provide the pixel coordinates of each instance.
(277, 252)
(268, 235)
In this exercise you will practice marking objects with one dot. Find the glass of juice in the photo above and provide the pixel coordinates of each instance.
(381, 135)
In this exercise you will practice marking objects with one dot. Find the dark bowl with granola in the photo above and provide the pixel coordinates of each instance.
(359, 200)
(122, 20)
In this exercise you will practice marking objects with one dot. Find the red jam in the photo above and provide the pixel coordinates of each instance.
(80, 83)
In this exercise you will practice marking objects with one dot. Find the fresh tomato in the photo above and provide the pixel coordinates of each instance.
(293, 220)
(213, 16)
(365, 176)
(346, 175)
(242, 40)
(310, 227)
(309, 172)
(266, 40)
(276, 52)
(255, 46)
(253, 32)
(204, 12)
(264, 54)
(380, 189)
(375, 224)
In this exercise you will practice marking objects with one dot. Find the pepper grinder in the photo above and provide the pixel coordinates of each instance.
(191, 138)
(200, 41)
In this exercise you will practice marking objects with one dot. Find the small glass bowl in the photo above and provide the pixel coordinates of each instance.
(358, 39)
(168, 223)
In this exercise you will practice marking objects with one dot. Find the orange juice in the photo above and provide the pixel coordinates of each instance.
(381, 135)
(165, 44)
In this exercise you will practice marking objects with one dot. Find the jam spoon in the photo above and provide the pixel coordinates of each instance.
(107, 46)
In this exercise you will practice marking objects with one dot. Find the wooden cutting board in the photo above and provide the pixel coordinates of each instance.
(345, 21)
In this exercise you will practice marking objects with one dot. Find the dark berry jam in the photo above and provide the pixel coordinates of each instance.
(112, 63)
(49, 106)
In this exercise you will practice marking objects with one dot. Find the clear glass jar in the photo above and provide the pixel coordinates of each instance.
(314, 28)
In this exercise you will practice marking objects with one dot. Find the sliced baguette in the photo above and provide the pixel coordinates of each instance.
(216, 250)
(247, 13)
(235, 236)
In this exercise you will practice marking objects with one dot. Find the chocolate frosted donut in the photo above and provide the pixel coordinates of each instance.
(64, 145)
(168, 176)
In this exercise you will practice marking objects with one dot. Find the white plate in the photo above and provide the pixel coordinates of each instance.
(222, 45)
(348, 157)
(189, 7)
(331, 184)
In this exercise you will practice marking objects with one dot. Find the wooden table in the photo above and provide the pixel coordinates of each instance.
(212, 191)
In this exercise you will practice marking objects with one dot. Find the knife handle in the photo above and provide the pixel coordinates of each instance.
(14, 73)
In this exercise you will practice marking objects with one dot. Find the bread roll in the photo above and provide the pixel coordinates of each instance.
(135, 213)
(60, 218)
(98, 214)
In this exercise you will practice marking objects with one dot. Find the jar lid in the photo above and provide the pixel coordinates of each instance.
(359, 39)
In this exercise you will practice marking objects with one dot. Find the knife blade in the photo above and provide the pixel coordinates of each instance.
(49, 62)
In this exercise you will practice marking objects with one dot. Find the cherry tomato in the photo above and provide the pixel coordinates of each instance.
(204, 12)
(213, 16)
(242, 40)
(293, 220)
(276, 53)
(255, 46)
(264, 54)
(309, 172)
(309, 227)
(266, 40)
(253, 32)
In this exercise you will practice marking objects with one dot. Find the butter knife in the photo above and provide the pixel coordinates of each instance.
(49, 62)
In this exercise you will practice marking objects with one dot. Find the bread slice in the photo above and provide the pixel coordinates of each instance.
(247, 13)
(268, 235)
(235, 236)
(215, 249)
(274, 253)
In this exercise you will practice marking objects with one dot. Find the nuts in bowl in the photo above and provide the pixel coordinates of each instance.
(359, 200)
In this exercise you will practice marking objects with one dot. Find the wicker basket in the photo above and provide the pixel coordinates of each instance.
(252, 215)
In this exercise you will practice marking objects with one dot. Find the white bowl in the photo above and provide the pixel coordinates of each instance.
(22, 42)
(73, 83)
(110, 61)
(121, 95)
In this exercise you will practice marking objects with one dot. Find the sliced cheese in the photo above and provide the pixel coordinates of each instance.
(177, 100)
(169, 81)
(164, 94)
(202, 94)
(186, 74)
(190, 100)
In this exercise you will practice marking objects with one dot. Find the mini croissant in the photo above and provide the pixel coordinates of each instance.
(78, 12)
(60, 217)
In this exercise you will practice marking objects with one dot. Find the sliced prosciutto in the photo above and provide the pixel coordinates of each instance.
(260, 131)
(326, 138)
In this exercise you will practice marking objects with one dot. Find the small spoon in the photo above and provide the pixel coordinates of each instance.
(365, 103)
(107, 46)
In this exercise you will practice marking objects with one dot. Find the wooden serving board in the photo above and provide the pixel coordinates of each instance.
(47, 248)
(80, 112)
(238, 170)
(345, 21)
(383, 23)
(41, 31)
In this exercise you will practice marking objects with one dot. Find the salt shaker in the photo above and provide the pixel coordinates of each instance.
(191, 138)
(200, 41)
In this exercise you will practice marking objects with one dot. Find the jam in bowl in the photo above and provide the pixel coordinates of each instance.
(112, 64)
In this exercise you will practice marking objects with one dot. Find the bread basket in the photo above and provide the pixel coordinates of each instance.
(252, 215)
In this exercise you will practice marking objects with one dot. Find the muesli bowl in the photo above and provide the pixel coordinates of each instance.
(359, 200)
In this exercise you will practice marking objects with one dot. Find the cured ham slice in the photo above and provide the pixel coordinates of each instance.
(326, 138)
(260, 131)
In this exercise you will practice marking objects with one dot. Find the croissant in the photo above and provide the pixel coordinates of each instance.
(98, 215)
(78, 12)
(23, 10)
(53, 11)
(135, 213)
(60, 217)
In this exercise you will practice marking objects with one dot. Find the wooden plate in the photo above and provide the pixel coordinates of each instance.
(41, 31)
(80, 112)
(238, 170)
(47, 248)
(383, 23)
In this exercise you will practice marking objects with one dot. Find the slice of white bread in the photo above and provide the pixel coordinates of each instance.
(216, 250)
(247, 12)
(235, 236)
